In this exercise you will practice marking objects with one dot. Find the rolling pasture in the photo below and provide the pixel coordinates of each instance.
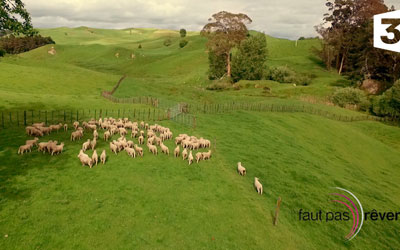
(160, 202)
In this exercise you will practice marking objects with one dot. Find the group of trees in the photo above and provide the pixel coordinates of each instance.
(182, 43)
(347, 33)
(16, 31)
(232, 50)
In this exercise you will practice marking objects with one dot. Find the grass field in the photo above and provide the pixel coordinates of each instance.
(159, 202)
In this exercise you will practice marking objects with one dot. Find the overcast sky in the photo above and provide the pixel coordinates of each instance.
(279, 18)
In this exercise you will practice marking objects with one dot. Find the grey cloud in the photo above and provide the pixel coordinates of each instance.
(281, 18)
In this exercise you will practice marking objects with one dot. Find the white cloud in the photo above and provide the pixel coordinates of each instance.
(281, 18)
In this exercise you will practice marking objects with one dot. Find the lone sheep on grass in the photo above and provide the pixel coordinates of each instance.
(258, 185)
(241, 170)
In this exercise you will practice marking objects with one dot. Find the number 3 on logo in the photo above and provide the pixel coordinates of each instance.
(387, 31)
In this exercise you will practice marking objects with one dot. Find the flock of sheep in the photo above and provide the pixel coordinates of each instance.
(153, 135)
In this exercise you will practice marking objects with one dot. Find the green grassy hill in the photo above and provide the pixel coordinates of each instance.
(159, 202)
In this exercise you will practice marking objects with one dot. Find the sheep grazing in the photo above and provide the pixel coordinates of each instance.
(65, 127)
(95, 157)
(103, 157)
(93, 143)
(122, 131)
(25, 148)
(35, 132)
(190, 158)
(184, 154)
(134, 133)
(42, 146)
(107, 135)
(152, 149)
(58, 149)
(51, 146)
(85, 159)
(141, 139)
(76, 135)
(142, 124)
(86, 145)
(241, 170)
(139, 150)
(164, 149)
(33, 142)
(95, 134)
(37, 125)
(131, 152)
(114, 148)
(76, 124)
(258, 185)
(177, 151)
(199, 156)
(207, 155)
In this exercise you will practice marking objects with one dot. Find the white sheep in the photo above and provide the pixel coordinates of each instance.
(258, 185)
(85, 159)
(184, 154)
(58, 149)
(207, 155)
(152, 149)
(25, 148)
(86, 145)
(199, 156)
(103, 157)
(95, 134)
(65, 127)
(93, 143)
(76, 124)
(95, 157)
(113, 148)
(177, 151)
(33, 142)
(190, 158)
(131, 152)
(241, 170)
(141, 139)
(164, 148)
(107, 135)
(139, 150)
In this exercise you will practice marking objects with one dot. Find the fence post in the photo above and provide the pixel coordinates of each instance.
(32, 116)
(148, 117)
(194, 122)
(52, 116)
(95, 113)
(118, 114)
(77, 115)
(70, 114)
(25, 118)
(2, 119)
(45, 115)
(278, 207)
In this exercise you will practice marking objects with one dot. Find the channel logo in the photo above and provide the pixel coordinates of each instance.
(387, 31)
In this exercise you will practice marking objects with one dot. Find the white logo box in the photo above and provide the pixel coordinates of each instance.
(385, 32)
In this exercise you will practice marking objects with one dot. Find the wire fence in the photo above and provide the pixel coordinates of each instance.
(263, 107)
(27, 117)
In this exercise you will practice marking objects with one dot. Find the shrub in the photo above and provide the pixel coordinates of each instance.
(140, 46)
(217, 66)
(350, 97)
(388, 104)
(219, 85)
(167, 42)
(16, 45)
(302, 80)
(2, 52)
(281, 74)
(183, 43)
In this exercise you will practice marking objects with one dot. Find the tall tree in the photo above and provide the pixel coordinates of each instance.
(224, 31)
(182, 32)
(248, 63)
(15, 18)
(339, 25)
